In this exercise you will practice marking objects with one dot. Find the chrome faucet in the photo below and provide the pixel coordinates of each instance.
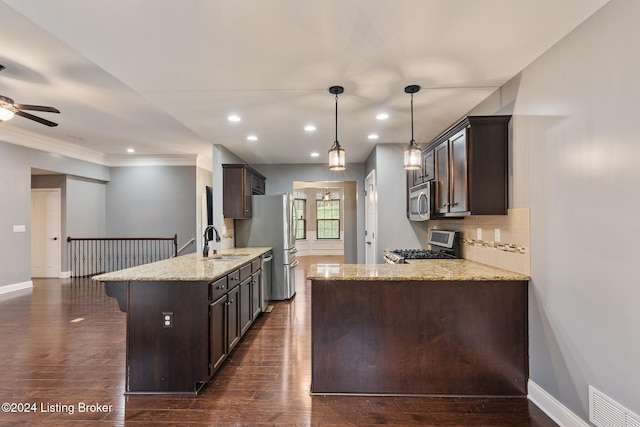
(205, 249)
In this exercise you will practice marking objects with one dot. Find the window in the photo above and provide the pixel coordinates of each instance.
(301, 218)
(328, 219)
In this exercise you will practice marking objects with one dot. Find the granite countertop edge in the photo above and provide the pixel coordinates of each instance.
(414, 270)
(187, 268)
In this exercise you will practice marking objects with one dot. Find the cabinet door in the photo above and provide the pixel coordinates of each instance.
(233, 194)
(428, 166)
(441, 157)
(245, 305)
(458, 159)
(233, 318)
(255, 294)
(217, 334)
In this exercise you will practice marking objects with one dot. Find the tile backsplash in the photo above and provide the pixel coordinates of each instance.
(501, 241)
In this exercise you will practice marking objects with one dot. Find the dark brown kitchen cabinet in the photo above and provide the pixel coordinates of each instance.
(426, 171)
(218, 334)
(179, 333)
(245, 305)
(240, 182)
(471, 167)
(256, 296)
(233, 318)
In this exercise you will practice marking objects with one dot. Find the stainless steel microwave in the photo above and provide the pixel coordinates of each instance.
(421, 201)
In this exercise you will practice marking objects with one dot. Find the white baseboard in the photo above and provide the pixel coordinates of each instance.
(559, 413)
(65, 274)
(16, 287)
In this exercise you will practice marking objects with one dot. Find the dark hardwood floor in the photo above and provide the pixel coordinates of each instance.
(62, 359)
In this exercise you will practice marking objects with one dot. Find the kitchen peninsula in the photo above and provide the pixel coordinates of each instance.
(429, 327)
(184, 316)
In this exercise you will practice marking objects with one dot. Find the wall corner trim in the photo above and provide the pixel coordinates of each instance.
(16, 287)
(559, 413)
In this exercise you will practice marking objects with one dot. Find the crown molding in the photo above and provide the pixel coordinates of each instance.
(36, 141)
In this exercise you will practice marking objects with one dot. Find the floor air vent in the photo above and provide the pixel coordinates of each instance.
(606, 412)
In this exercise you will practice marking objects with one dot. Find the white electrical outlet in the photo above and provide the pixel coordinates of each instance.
(496, 235)
(479, 233)
(19, 228)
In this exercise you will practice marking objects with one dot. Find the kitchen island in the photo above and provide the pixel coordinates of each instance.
(429, 327)
(184, 316)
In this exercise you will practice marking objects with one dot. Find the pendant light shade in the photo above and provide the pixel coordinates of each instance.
(412, 154)
(337, 159)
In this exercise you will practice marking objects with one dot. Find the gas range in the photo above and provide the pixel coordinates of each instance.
(444, 245)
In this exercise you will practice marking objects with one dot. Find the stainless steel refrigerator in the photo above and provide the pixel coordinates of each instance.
(273, 223)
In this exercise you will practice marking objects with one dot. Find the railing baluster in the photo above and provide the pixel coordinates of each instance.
(90, 256)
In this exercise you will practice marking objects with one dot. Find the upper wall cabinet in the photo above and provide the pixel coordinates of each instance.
(240, 182)
(471, 167)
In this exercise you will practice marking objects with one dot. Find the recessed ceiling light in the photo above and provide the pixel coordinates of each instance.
(315, 154)
(309, 128)
(252, 138)
(373, 136)
(382, 116)
(130, 150)
(233, 118)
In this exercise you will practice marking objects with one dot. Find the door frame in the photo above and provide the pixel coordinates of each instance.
(371, 200)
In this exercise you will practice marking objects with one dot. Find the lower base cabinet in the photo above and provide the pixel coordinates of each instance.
(179, 333)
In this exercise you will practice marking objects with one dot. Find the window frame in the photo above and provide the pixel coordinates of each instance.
(332, 220)
(303, 219)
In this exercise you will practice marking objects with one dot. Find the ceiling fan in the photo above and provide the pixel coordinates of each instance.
(8, 109)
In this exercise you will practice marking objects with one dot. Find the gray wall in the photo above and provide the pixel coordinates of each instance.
(280, 178)
(575, 152)
(16, 163)
(152, 201)
(394, 230)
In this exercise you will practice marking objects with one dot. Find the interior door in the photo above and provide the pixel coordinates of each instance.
(46, 242)
(371, 219)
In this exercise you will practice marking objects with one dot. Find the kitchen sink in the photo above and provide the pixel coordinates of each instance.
(226, 257)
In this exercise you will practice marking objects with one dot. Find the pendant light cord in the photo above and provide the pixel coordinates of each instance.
(336, 118)
(412, 119)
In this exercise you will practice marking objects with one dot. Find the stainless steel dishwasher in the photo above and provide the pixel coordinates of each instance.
(267, 260)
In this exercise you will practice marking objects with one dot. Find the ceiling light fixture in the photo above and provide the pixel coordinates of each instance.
(337, 160)
(233, 118)
(309, 128)
(382, 116)
(373, 136)
(5, 114)
(412, 154)
(252, 138)
(315, 154)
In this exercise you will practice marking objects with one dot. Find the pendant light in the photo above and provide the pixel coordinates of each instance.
(412, 154)
(337, 161)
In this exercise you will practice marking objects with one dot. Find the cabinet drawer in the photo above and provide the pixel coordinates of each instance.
(234, 279)
(245, 271)
(218, 288)
(255, 265)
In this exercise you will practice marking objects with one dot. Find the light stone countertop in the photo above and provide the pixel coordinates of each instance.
(419, 270)
(190, 267)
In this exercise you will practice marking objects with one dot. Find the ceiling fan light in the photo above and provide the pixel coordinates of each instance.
(412, 157)
(5, 114)
(337, 158)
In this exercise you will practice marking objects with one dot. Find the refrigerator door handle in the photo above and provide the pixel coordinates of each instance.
(293, 251)
(294, 264)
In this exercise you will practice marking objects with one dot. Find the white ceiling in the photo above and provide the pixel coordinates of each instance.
(161, 76)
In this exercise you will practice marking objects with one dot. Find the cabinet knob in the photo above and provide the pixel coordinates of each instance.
(220, 287)
(444, 205)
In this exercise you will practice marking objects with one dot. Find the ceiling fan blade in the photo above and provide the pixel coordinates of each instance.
(36, 108)
(35, 118)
